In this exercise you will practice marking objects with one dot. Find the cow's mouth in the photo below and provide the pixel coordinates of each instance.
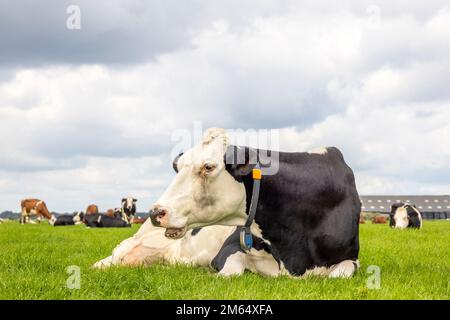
(175, 233)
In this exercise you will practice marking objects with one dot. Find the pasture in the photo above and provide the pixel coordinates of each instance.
(414, 264)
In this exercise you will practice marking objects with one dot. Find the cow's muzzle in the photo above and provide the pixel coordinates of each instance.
(156, 215)
(159, 218)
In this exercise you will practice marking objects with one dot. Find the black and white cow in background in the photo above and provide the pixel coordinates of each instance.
(99, 220)
(404, 216)
(307, 213)
(129, 208)
(67, 219)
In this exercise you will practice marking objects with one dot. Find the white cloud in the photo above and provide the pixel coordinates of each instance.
(370, 80)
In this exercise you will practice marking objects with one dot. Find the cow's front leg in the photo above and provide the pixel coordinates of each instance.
(117, 255)
(103, 264)
(235, 264)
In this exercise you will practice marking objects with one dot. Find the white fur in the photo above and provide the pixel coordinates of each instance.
(151, 246)
(401, 218)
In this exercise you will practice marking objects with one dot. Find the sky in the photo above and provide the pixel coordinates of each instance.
(89, 114)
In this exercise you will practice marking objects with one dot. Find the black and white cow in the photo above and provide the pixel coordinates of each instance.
(129, 208)
(404, 216)
(308, 209)
(98, 220)
(67, 219)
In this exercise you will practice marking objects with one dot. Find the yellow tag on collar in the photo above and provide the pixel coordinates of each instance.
(257, 174)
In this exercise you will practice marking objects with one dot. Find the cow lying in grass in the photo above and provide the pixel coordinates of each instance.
(405, 216)
(98, 220)
(306, 219)
(67, 219)
(307, 207)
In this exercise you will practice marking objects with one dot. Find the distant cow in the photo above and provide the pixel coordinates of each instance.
(110, 213)
(361, 220)
(34, 207)
(67, 219)
(98, 220)
(92, 209)
(129, 208)
(379, 220)
(138, 220)
(405, 216)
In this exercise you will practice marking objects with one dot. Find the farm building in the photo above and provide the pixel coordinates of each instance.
(432, 207)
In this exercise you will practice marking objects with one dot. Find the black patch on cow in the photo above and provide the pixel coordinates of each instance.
(232, 245)
(99, 220)
(195, 231)
(64, 220)
(309, 210)
(413, 217)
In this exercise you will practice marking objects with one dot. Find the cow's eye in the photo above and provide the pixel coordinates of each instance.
(208, 167)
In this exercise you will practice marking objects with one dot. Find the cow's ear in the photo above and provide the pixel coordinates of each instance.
(124, 199)
(240, 161)
(175, 162)
(134, 200)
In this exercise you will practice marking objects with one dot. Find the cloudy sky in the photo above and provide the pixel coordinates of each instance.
(88, 115)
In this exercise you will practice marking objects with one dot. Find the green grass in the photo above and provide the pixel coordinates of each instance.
(415, 264)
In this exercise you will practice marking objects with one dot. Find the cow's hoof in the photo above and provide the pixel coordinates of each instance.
(344, 269)
(103, 264)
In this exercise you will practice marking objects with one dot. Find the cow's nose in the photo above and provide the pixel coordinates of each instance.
(156, 216)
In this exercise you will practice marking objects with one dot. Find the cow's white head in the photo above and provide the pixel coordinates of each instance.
(203, 192)
(52, 220)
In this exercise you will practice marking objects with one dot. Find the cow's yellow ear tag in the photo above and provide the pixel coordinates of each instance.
(257, 175)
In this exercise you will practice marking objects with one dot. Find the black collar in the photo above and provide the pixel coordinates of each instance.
(246, 238)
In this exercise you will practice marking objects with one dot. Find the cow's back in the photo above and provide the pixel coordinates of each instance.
(28, 204)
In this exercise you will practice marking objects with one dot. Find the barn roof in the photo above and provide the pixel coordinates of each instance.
(439, 203)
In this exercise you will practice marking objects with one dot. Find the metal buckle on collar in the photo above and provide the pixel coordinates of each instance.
(246, 239)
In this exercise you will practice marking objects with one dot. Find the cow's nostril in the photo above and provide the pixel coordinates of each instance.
(160, 213)
(157, 214)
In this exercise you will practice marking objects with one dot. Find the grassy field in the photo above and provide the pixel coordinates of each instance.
(33, 260)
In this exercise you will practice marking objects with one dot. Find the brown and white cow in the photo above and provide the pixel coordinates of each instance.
(33, 207)
(91, 209)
